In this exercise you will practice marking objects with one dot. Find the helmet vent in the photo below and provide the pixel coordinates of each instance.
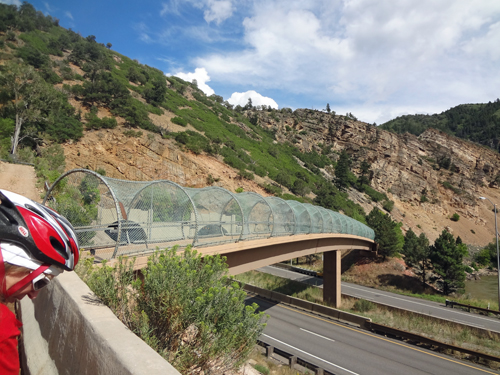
(35, 210)
(58, 247)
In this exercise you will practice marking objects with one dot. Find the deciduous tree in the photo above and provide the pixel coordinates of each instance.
(24, 90)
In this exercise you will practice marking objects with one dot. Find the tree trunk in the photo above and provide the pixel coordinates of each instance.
(17, 132)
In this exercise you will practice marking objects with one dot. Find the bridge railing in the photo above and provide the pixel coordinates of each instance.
(118, 217)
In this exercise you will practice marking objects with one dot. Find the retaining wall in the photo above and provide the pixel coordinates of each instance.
(66, 331)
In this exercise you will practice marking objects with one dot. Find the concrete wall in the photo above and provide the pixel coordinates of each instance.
(66, 331)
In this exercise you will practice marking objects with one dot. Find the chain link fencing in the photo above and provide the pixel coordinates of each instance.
(115, 217)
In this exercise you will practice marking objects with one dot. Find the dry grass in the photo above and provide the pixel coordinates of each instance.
(275, 368)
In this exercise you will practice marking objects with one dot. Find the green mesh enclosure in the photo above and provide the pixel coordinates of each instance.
(115, 217)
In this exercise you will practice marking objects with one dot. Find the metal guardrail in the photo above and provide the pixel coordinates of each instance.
(469, 307)
(292, 359)
(397, 333)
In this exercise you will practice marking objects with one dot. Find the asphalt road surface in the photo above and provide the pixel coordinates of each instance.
(435, 309)
(346, 350)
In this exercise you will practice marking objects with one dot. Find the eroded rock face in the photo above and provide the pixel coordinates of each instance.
(451, 173)
(404, 165)
(138, 159)
(150, 157)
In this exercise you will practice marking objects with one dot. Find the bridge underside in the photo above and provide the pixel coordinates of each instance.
(249, 255)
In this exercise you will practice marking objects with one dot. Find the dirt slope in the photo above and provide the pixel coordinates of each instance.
(20, 179)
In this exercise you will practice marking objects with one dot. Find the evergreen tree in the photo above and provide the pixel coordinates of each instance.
(447, 258)
(386, 232)
(365, 176)
(417, 252)
(342, 169)
(328, 110)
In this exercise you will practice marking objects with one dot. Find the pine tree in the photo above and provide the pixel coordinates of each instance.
(447, 258)
(386, 233)
(417, 252)
(342, 169)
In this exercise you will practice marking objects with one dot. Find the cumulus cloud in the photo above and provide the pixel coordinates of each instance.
(218, 10)
(201, 76)
(369, 53)
(241, 98)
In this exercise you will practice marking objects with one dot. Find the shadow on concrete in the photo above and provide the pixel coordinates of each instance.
(263, 303)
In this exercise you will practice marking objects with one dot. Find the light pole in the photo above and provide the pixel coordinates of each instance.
(498, 253)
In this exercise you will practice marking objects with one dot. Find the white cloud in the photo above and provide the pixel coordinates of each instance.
(68, 14)
(218, 10)
(11, 2)
(171, 7)
(241, 98)
(47, 6)
(418, 55)
(201, 76)
(213, 10)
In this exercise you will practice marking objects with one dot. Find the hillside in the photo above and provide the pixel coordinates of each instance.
(475, 122)
(127, 120)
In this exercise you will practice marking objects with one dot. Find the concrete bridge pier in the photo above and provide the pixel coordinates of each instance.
(331, 277)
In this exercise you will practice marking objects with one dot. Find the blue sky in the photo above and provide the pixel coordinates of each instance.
(377, 59)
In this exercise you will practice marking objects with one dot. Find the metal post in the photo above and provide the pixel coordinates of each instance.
(498, 256)
(498, 252)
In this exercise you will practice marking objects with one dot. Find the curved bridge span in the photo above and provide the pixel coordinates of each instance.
(115, 217)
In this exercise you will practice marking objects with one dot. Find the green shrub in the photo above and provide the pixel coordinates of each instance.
(204, 305)
(180, 121)
(94, 122)
(455, 217)
(262, 369)
(388, 206)
(272, 189)
(362, 305)
(244, 174)
(449, 186)
(374, 194)
(132, 133)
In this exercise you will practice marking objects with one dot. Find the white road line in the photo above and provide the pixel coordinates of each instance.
(311, 355)
(312, 333)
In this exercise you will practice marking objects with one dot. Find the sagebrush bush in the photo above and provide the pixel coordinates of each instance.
(185, 308)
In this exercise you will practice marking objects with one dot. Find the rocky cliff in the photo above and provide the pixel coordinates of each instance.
(429, 177)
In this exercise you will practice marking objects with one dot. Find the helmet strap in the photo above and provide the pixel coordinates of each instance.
(20, 284)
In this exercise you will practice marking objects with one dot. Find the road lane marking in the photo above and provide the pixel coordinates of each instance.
(387, 340)
(311, 355)
(312, 333)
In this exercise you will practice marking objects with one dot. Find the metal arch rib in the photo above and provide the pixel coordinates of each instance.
(95, 174)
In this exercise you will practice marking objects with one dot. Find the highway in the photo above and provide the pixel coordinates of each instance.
(346, 350)
(430, 308)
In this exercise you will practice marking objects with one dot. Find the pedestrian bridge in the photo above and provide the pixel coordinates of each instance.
(115, 217)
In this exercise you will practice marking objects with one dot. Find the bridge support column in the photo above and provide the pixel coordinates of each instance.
(331, 277)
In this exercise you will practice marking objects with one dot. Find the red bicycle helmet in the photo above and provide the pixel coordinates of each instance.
(40, 231)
